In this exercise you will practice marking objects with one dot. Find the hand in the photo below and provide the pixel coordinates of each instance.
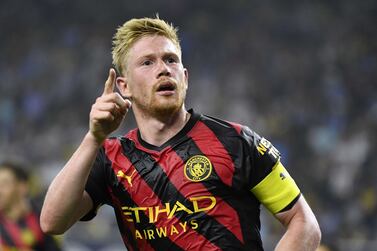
(108, 111)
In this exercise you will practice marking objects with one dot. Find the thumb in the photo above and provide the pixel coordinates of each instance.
(110, 82)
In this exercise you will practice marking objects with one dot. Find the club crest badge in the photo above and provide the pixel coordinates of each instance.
(198, 168)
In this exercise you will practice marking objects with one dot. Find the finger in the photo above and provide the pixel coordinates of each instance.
(109, 106)
(106, 107)
(124, 104)
(103, 116)
(128, 103)
(110, 82)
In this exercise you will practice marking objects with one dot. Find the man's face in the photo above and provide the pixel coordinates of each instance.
(155, 78)
(10, 189)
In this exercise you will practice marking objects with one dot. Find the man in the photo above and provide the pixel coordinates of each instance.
(19, 223)
(181, 180)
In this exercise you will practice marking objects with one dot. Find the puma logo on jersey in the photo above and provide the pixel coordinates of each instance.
(127, 177)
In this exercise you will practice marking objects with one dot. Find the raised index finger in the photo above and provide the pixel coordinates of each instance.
(110, 82)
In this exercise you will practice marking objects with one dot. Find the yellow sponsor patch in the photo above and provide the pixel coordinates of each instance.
(277, 189)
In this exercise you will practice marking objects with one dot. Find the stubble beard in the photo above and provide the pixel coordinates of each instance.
(162, 109)
(166, 109)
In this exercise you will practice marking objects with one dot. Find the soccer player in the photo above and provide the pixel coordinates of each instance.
(180, 180)
(19, 220)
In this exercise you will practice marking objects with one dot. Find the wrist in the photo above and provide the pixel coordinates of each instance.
(92, 139)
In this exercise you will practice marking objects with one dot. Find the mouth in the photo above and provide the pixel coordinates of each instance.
(166, 88)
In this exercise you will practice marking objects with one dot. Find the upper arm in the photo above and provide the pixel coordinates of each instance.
(302, 229)
(54, 222)
(84, 208)
(272, 185)
(95, 193)
(300, 213)
(269, 181)
(277, 191)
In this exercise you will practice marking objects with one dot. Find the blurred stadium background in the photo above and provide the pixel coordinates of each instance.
(301, 73)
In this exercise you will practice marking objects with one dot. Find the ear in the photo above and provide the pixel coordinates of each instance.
(186, 76)
(123, 87)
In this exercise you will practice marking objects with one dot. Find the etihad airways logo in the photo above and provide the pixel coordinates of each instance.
(197, 204)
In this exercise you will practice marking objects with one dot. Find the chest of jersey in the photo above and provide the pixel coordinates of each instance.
(177, 192)
(181, 179)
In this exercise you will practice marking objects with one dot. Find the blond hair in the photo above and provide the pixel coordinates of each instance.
(134, 29)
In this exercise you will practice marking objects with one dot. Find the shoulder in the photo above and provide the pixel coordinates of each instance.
(115, 143)
(230, 128)
(251, 138)
(222, 125)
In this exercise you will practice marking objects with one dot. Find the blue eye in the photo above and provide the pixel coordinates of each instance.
(147, 62)
(171, 60)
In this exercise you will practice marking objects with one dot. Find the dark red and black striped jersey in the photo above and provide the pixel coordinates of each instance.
(201, 190)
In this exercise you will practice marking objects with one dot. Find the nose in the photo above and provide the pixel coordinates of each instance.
(163, 69)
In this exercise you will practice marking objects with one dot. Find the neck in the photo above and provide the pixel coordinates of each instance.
(17, 211)
(157, 131)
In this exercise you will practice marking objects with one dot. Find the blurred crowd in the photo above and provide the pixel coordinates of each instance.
(301, 73)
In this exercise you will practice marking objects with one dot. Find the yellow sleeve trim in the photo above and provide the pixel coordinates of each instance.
(277, 189)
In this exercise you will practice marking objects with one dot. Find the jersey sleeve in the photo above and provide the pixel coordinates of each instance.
(96, 184)
(269, 181)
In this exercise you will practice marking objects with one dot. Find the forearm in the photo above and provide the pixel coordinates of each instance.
(66, 200)
(66, 191)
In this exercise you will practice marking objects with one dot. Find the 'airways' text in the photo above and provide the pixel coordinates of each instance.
(166, 231)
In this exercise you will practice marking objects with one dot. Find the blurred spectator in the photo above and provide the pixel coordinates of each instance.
(19, 220)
